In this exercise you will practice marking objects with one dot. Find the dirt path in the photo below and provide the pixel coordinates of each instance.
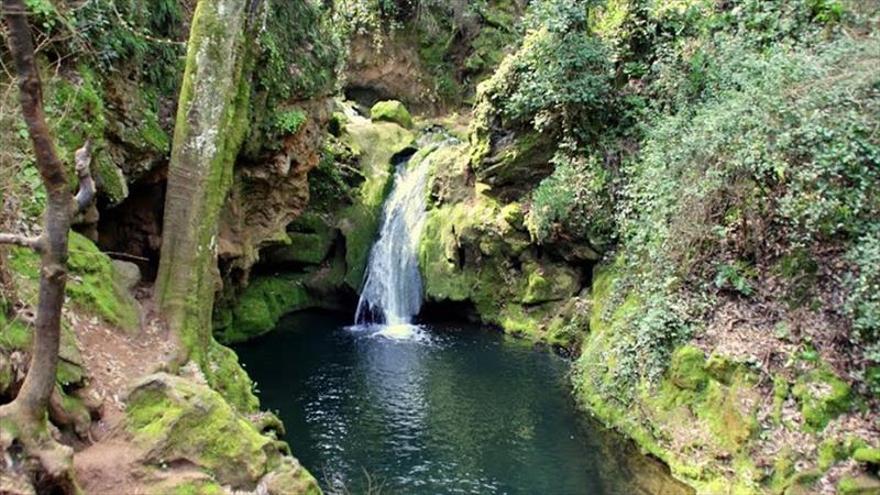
(113, 359)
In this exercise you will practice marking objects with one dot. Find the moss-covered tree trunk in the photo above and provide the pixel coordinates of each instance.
(211, 124)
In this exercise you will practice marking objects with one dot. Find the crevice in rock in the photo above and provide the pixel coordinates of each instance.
(132, 230)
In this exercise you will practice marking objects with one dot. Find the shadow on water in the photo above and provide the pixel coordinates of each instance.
(451, 411)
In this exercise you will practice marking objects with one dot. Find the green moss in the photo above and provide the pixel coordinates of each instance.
(549, 283)
(822, 396)
(14, 334)
(781, 389)
(308, 248)
(174, 418)
(202, 487)
(262, 304)
(94, 286)
(110, 179)
(391, 111)
(864, 484)
(225, 375)
(867, 455)
(830, 451)
(783, 469)
(725, 415)
(721, 368)
(686, 370)
(91, 284)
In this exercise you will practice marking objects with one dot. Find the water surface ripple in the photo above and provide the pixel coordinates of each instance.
(460, 410)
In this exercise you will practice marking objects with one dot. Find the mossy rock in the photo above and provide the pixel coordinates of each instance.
(511, 165)
(722, 409)
(548, 283)
(290, 478)
(190, 487)
(307, 248)
(471, 252)
(391, 111)
(687, 368)
(721, 368)
(261, 306)
(226, 376)
(864, 484)
(93, 284)
(823, 396)
(867, 455)
(449, 176)
(174, 419)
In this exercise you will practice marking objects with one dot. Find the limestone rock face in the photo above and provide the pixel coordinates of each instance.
(512, 163)
(269, 192)
(475, 249)
(393, 71)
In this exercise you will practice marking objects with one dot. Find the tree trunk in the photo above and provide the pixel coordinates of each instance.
(33, 397)
(212, 119)
(24, 419)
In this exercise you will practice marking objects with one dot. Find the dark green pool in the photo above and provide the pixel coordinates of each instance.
(458, 410)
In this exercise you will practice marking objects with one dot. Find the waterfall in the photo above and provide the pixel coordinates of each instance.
(392, 293)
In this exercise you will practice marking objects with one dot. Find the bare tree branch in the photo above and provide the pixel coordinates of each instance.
(35, 243)
(86, 194)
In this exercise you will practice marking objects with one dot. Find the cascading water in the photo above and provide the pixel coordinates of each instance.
(392, 293)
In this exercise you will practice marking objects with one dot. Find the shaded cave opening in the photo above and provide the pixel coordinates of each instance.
(365, 97)
(132, 229)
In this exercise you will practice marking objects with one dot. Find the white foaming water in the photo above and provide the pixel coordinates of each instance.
(392, 293)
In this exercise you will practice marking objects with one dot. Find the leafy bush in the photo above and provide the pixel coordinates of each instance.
(289, 121)
(782, 153)
(574, 199)
(558, 81)
(300, 53)
(147, 36)
(863, 304)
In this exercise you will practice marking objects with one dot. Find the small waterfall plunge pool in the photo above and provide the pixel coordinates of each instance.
(452, 408)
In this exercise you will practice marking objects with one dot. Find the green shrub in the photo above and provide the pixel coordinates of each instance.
(575, 200)
(558, 82)
(863, 304)
(289, 122)
(777, 147)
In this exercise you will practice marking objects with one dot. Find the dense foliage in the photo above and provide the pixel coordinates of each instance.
(717, 145)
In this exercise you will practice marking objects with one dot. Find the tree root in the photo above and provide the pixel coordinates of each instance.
(71, 413)
(31, 455)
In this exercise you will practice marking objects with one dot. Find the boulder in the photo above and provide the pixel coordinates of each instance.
(391, 111)
(126, 274)
(173, 419)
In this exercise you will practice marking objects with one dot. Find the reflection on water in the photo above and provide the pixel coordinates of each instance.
(436, 410)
